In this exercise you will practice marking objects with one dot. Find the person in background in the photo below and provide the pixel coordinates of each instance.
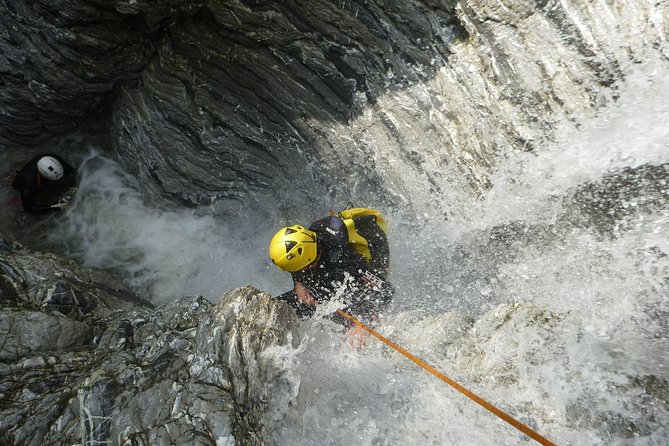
(344, 255)
(46, 183)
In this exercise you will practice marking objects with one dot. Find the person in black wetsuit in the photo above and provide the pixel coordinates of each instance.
(347, 258)
(47, 183)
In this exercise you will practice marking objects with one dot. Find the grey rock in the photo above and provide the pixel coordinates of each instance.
(24, 332)
(121, 372)
(60, 59)
(48, 281)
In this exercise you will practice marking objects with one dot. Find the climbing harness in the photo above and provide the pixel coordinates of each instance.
(466, 392)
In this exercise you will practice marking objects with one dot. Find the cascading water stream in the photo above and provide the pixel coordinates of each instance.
(518, 150)
(582, 338)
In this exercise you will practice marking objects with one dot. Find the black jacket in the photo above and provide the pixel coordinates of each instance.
(39, 193)
(343, 273)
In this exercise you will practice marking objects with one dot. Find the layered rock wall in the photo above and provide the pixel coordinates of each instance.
(210, 102)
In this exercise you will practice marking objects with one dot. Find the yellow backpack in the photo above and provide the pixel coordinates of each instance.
(359, 243)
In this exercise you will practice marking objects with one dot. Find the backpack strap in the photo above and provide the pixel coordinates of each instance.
(359, 243)
(357, 217)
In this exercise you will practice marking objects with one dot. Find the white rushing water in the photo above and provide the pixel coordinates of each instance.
(601, 300)
(590, 322)
(167, 254)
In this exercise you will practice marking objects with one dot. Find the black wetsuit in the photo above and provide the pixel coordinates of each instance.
(343, 273)
(39, 193)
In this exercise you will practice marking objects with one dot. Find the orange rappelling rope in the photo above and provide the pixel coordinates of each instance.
(477, 399)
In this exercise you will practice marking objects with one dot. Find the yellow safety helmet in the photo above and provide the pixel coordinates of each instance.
(293, 248)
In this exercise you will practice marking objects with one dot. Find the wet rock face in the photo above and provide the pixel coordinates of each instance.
(210, 98)
(45, 281)
(215, 103)
(115, 370)
(613, 203)
(60, 59)
(238, 96)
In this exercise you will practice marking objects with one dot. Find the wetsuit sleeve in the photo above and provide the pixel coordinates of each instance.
(31, 206)
(302, 310)
(290, 297)
(24, 182)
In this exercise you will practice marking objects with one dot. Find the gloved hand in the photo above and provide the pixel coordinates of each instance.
(60, 205)
(66, 200)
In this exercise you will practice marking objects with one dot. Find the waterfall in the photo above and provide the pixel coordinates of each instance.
(519, 152)
(583, 316)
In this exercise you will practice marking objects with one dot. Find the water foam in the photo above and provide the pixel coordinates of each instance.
(573, 330)
(165, 253)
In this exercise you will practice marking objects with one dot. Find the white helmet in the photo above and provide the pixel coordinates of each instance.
(50, 168)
